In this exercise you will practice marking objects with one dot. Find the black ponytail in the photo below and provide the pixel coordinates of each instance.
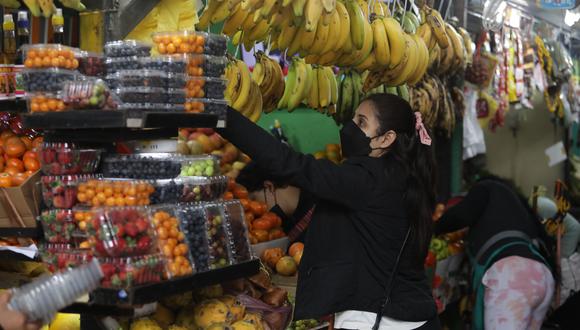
(394, 113)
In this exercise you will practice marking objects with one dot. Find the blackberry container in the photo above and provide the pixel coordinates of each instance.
(141, 95)
(142, 166)
(176, 64)
(125, 48)
(206, 65)
(47, 80)
(114, 64)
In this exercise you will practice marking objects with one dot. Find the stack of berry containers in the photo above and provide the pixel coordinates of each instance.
(47, 68)
(204, 55)
(238, 231)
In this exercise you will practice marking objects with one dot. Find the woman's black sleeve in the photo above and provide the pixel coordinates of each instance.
(347, 184)
(464, 214)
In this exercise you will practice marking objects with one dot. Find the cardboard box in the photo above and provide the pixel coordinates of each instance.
(19, 206)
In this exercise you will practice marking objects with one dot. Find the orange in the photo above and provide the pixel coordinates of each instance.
(75, 63)
(15, 163)
(5, 180)
(38, 62)
(44, 107)
(31, 54)
(34, 107)
(46, 61)
(53, 53)
(29, 63)
(162, 233)
(31, 164)
(295, 248)
(171, 49)
(55, 62)
(18, 179)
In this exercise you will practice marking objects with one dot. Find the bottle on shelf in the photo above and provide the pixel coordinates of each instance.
(9, 39)
(58, 27)
(23, 34)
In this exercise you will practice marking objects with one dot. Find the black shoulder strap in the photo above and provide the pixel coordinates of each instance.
(498, 237)
(390, 282)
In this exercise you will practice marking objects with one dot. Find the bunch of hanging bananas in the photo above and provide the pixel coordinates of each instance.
(401, 91)
(270, 78)
(349, 95)
(314, 86)
(242, 92)
(44, 8)
(432, 98)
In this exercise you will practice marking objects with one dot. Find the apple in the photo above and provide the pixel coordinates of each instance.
(205, 143)
(216, 140)
(195, 148)
(184, 134)
(194, 136)
(206, 131)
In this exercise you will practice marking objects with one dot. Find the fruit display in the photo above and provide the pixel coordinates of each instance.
(176, 96)
(142, 95)
(58, 225)
(196, 189)
(88, 94)
(350, 94)
(126, 48)
(200, 166)
(50, 56)
(45, 102)
(47, 80)
(66, 159)
(122, 231)
(105, 192)
(206, 65)
(268, 75)
(60, 192)
(433, 99)
(214, 107)
(242, 92)
(186, 42)
(18, 152)
(123, 273)
(114, 64)
(203, 87)
(204, 229)
(280, 263)
(142, 166)
(172, 242)
(168, 63)
(167, 191)
(236, 225)
(92, 65)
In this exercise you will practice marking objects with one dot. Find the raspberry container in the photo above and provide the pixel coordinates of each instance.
(59, 226)
(45, 102)
(167, 191)
(40, 56)
(190, 42)
(41, 299)
(142, 166)
(203, 226)
(142, 94)
(196, 189)
(176, 64)
(200, 166)
(114, 192)
(68, 159)
(125, 48)
(89, 94)
(171, 241)
(123, 231)
(206, 65)
(47, 80)
(214, 107)
(141, 78)
(238, 231)
(92, 64)
(114, 64)
(60, 192)
(203, 87)
(127, 272)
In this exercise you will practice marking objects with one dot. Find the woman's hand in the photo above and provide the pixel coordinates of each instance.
(13, 320)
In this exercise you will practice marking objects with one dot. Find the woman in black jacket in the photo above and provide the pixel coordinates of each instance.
(366, 208)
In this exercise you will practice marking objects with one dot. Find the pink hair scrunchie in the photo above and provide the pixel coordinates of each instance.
(421, 130)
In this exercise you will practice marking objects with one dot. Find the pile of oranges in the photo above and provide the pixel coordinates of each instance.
(194, 106)
(182, 43)
(18, 158)
(114, 193)
(263, 225)
(195, 88)
(42, 103)
(55, 57)
(172, 244)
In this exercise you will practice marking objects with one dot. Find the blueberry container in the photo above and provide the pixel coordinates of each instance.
(124, 48)
(152, 107)
(47, 80)
(204, 87)
(206, 65)
(114, 64)
(176, 96)
(171, 240)
(142, 94)
(170, 63)
(237, 231)
(196, 189)
(176, 80)
(167, 191)
(141, 78)
(142, 166)
(190, 42)
(90, 93)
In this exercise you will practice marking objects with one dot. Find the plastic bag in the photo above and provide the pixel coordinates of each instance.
(276, 318)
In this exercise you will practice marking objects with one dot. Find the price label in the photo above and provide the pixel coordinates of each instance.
(556, 4)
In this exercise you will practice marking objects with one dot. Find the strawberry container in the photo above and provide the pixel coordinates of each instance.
(115, 192)
(142, 166)
(237, 231)
(204, 87)
(196, 189)
(206, 65)
(60, 192)
(190, 42)
(57, 257)
(67, 159)
(172, 241)
(125, 48)
(47, 80)
(59, 226)
(204, 229)
(122, 232)
(127, 272)
(89, 94)
(212, 107)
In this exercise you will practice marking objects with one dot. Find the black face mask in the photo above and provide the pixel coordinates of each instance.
(354, 142)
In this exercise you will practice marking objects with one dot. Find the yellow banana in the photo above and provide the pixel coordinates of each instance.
(34, 7)
(208, 11)
(267, 8)
(313, 92)
(333, 33)
(234, 86)
(48, 8)
(298, 7)
(312, 14)
(289, 30)
(396, 38)
(260, 31)
(246, 81)
(221, 13)
(235, 21)
(333, 85)
(357, 20)
(251, 4)
(324, 93)
(382, 52)
(434, 19)
(256, 109)
(300, 86)
(289, 86)
(467, 42)
(329, 5)
(423, 55)
(424, 31)
(344, 34)
(306, 38)
(321, 38)
(369, 63)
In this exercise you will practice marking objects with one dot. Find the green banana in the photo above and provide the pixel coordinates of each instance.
(14, 4)
(403, 92)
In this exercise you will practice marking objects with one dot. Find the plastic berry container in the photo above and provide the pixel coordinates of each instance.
(206, 65)
(176, 80)
(47, 80)
(39, 56)
(68, 159)
(114, 64)
(125, 48)
(123, 231)
(142, 166)
(238, 231)
(127, 272)
(152, 107)
(204, 87)
(190, 42)
(213, 107)
(45, 102)
(176, 96)
(60, 192)
(141, 78)
(218, 237)
(62, 259)
(92, 64)
(58, 225)
(141, 94)
(114, 192)
(196, 189)
(167, 191)
(89, 94)
(200, 166)
(172, 241)
(176, 64)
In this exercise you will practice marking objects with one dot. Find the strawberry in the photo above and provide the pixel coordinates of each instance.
(58, 202)
(120, 231)
(142, 225)
(108, 270)
(144, 244)
(100, 247)
(55, 168)
(48, 156)
(61, 216)
(131, 229)
(65, 156)
(62, 261)
(121, 246)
